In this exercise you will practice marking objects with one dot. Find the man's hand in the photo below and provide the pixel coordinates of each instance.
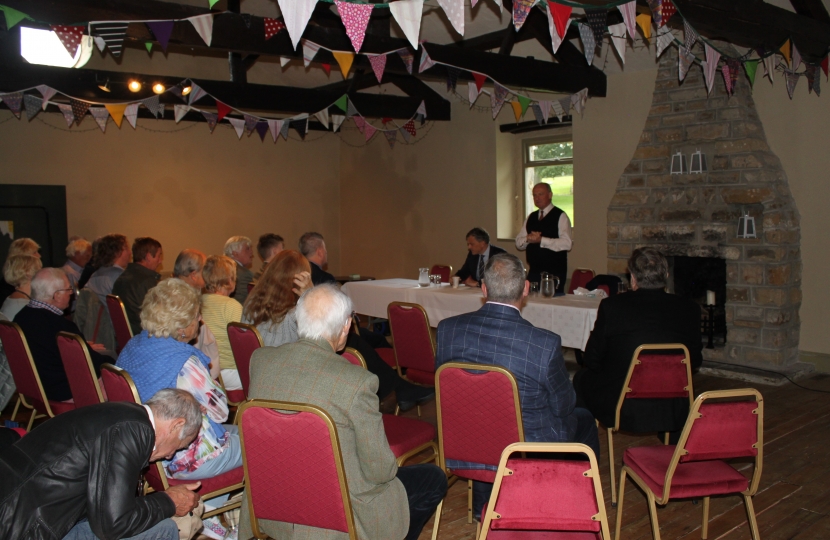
(184, 498)
(470, 282)
(302, 282)
(534, 237)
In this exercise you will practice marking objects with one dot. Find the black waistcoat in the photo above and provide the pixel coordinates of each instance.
(545, 260)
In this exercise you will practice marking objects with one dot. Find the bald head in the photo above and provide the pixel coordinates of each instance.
(324, 312)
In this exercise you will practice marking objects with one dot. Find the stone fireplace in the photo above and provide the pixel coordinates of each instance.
(696, 215)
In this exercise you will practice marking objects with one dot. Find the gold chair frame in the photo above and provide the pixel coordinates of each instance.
(446, 266)
(441, 459)
(626, 389)
(124, 374)
(419, 307)
(354, 352)
(89, 364)
(483, 528)
(681, 451)
(123, 312)
(335, 444)
(20, 397)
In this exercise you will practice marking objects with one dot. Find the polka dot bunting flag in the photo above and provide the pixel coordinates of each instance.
(79, 109)
(355, 18)
(70, 36)
(272, 27)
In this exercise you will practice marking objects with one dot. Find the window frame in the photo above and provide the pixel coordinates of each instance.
(527, 163)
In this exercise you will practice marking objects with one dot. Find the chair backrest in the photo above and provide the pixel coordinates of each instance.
(22, 365)
(279, 487)
(604, 288)
(91, 318)
(119, 384)
(414, 346)
(354, 357)
(444, 270)
(580, 278)
(479, 414)
(657, 371)
(244, 340)
(118, 316)
(79, 370)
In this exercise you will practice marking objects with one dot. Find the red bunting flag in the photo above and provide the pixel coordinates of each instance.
(272, 27)
(667, 9)
(561, 15)
(327, 68)
(824, 65)
(221, 110)
(385, 120)
(70, 36)
(410, 127)
(480, 78)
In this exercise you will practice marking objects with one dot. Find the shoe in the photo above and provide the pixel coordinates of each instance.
(415, 395)
(213, 529)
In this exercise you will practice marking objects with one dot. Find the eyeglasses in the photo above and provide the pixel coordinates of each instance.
(70, 289)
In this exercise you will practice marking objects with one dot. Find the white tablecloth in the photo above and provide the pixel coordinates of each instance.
(571, 317)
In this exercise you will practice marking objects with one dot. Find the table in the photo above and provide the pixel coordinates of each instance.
(571, 317)
(348, 279)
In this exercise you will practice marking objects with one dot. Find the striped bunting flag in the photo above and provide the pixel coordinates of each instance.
(113, 34)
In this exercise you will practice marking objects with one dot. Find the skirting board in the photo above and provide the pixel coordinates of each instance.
(820, 360)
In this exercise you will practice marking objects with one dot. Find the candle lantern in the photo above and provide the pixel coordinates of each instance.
(678, 164)
(746, 226)
(698, 163)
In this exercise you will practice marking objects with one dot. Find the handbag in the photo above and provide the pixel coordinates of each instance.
(190, 525)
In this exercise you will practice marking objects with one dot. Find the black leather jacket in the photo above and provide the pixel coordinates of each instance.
(82, 464)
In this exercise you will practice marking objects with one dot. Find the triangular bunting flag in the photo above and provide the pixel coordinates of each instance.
(13, 17)
(246, 17)
(792, 80)
(785, 51)
(32, 105)
(656, 11)
(149, 46)
(79, 109)
(711, 67)
(684, 60)
(351, 110)
(162, 31)
(212, 3)
(751, 66)
(344, 60)
(368, 131)
(617, 32)
(68, 115)
(521, 9)
(409, 127)
(557, 108)
(825, 63)
(342, 103)
(284, 60)
(161, 111)
(565, 104)
(689, 34)
(454, 9)
(309, 51)
(407, 14)
(588, 42)
(517, 110)
(323, 117)
(196, 93)
(336, 121)
(179, 111)
(667, 10)
(524, 102)
(408, 59)
(391, 137)
(813, 79)
(238, 125)
(497, 98)
(131, 113)
(101, 115)
(262, 129)
(769, 66)
(472, 93)
(112, 34)
(426, 61)
(452, 78)
(116, 110)
(796, 58)
(152, 104)
(537, 112)
(734, 66)
(644, 22)
(727, 78)
(70, 37)
(275, 126)
(598, 21)
(286, 124)
(47, 94)
(422, 109)
(544, 107)
(360, 122)
(204, 26)
(406, 135)
(222, 110)
(250, 122)
(560, 14)
(272, 27)
(378, 65)
(479, 79)
(579, 99)
(296, 14)
(664, 39)
(629, 13)
(326, 68)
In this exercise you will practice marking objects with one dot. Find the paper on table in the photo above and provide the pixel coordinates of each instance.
(596, 293)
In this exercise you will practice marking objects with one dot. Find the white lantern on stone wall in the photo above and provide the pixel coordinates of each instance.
(678, 164)
(698, 163)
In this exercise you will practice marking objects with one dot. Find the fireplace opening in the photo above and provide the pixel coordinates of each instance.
(693, 277)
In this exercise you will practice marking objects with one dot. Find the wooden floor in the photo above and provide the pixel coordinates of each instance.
(790, 504)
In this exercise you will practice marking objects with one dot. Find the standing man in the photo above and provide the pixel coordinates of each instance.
(313, 247)
(140, 276)
(480, 251)
(240, 250)
(546, 235)
(268, 246)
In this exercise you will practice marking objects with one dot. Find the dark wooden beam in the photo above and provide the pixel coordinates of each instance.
(814, 9)
(508, 40)
(525, 127)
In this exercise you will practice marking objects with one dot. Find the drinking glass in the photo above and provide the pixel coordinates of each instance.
(622, 287)
(423, 277)
(534, 288)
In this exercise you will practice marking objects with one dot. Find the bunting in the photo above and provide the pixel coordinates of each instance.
(68, 115)
(406, 135)
(161, 30)
(560, 15)
(565, 104)
(524, 103)
(238, 125)
(408, 59)
(344, 60)
(656, 7)
(296, 14)
(360, 122)
(337, 121)
(824, 66)
(179, 111)
(13, 17)
(131, 113)
(323, 117)
(222, 110)
(262, 130)
(521, 9)
(545, 106)
(769, 66)
(47, 94)
(472, 93)
(667, 11)
(70, 37)
(711, 66)
(272, 27)
(598, 21)
(479, 79)
(112, 34)
(796, 57)
(101, 115)
(152, 104)
(250, 123)
(726, 71)
(32, 105)
(368, 131)
(792, 80)
(517, 110)
(409, 127)
(537, 113)
(497, 98)
(391, 137)
(751, 66)
(378, 63)
(275, 126)
(689, 34)
(196, 93)
(629, 14)
(426, 61)
(422, 109)
(326, 68)
(785, 51)
(644, 22)
(454, 9)
(309, 51)
(284, 60)
(558, 110)
(733, 66)
(579, 100)
(351, 110)
(685, 60)
(407, 14)
(355, 18)
(555, 38)
(617, 32)
(116, 110)
(452, 78)
(664, 39)
(79, 109)
(588, 42)
(342, 103)
(246, 17)
(284, 130)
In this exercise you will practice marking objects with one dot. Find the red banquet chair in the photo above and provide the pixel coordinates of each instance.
(414, 343)
(444, 270)
(546, 498)
(580, 278)
(24, 372)
(407, 437)
(118, 316)
(696, 467)
(307, 441)
(79, 370)
(657, 371)
(119, 386)
(475, 434)
(244, 340)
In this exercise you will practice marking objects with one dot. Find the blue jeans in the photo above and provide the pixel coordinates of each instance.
(164, 530)
(228, 460)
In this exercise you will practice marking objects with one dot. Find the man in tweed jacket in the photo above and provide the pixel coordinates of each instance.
(497, 334)
(388, 503)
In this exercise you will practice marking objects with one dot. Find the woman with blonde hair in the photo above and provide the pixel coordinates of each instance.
(18, 272)
(218, 309)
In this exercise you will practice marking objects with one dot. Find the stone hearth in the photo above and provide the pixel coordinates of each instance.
(696, 215)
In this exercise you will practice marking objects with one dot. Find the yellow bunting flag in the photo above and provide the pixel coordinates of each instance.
(117, 112)
(517, 110)
(785, 50)
(344, 59)
(644, 22)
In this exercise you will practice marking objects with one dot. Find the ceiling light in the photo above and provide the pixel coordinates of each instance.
(105, 87)
(159, 88)
(186, 90)
(134, 85)
(44, 47)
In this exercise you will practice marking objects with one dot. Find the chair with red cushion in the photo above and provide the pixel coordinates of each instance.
(306, 439)
(479, 415)
(444, 270)
(79, 370)
(414, 343)
(244, 340)
(546, 498)
(657, 371)
(730, 427)
(580, 278)
(119, 386)
(407, 437)
(24, 372)
(118, 316)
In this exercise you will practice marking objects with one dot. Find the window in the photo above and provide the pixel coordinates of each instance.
(549, 161)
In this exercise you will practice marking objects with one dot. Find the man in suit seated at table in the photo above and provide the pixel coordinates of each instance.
(388, 502)
(497, 334)
(313, 248)
(646, 314)
(479, 252)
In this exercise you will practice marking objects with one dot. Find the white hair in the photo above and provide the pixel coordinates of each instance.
(235, 244)
(47, 282)
(78, 245)
(322, 312)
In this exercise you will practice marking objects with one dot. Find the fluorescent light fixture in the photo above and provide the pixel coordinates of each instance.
(45, 48)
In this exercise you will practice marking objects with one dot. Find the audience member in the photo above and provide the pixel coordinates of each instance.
(78, 254)
(546, 235)
(21, 246)
(218, 309)
(479, 252)
(75, 476)
(18, 272)
(90, 267)
(268, 247)
(388, 502)
(313, 247)
(112, 254)
(41, 320)
(188, 268)
(140, 276)
(646, 314)
(239, 249)
(497, 334)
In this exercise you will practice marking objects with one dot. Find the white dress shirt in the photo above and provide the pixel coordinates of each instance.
(563, 243)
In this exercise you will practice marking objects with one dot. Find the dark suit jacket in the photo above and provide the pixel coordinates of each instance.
(497, 334)
(318, 275)
(131, 287)
(624, 322)
(471, 263)
(243, 278)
